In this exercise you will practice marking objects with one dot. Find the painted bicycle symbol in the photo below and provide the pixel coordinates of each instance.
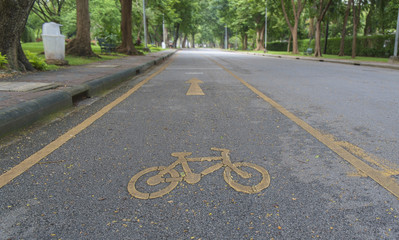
(171, 177)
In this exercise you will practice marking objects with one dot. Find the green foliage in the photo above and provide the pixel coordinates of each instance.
(3, 60)
(68, 21)
(37, 62)
(48, 11)
(152, 48)
(28, 35)
(105, 17)
(33, 29)
(33, 47)
(205, 20)
(368, 46)
(37, 49)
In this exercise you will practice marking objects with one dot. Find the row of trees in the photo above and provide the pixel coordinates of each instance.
(290, 20)
(118, 18)
(200, 21)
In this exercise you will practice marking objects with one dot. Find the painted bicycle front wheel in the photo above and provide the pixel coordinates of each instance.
(264, 178)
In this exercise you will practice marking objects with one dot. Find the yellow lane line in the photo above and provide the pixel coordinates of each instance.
(385, 181)
(47, 150)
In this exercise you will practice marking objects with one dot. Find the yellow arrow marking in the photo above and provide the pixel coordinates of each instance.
(194, 89)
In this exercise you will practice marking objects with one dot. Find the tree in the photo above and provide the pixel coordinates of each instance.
(356, 20)
(48, 10)
(211, 26)
(369, 26)
(343, 34)
(104, 16)
(127, 45)
(297, 9)
(322, 7)
(249, 14)
(81, 45)
(182, 11)
(13, 17)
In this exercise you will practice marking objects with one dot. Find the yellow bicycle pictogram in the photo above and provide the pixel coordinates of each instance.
(171, 177)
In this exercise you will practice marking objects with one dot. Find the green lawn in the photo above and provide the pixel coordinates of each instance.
(367, 59)
(151, 47)
(37, 48)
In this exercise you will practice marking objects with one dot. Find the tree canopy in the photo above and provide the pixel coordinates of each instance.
(203, 22)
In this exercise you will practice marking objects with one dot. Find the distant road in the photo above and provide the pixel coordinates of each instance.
(215, 145)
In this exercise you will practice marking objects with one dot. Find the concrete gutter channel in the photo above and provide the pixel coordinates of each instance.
(349, 62)
(26, 113)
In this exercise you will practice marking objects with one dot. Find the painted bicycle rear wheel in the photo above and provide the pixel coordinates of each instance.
(170, 182)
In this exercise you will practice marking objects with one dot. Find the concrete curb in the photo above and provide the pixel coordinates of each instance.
(348, 62)
(24, 114)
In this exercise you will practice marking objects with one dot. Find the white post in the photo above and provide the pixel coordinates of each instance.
(395, 54)
(145, 26)
(266, 28)
(225, 37)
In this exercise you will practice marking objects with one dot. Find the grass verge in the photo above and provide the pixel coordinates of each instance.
(327, 56)
(37, 48)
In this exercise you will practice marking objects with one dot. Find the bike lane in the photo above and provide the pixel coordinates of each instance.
(82, 193)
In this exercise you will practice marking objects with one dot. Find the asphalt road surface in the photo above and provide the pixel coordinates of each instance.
(214, 145)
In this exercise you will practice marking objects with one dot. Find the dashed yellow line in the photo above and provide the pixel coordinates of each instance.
(384, 180)
(47, 150)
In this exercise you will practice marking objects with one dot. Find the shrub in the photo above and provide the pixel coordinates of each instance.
(28, 35)
(3, 60)
(37, 62)
(370, 46)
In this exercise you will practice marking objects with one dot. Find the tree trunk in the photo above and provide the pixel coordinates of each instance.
(317, 48)
(158, 38)
(176, 35)
(184, 41)
(138, 39)
(297, 11)
(228, 40)
(295, 39)
(13, 17)
(356, 17)
(260, 39)
(326, 38)
(245, 42)
(127, 45)
(368, 29)
(289, 43)
(166, 37)
(322, 12)
(311, 28)
(81, 45)
(146, 31)
(343, 34)
(193, 36)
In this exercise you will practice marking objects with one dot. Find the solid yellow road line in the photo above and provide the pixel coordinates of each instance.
(385, 181)
(47, 150)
